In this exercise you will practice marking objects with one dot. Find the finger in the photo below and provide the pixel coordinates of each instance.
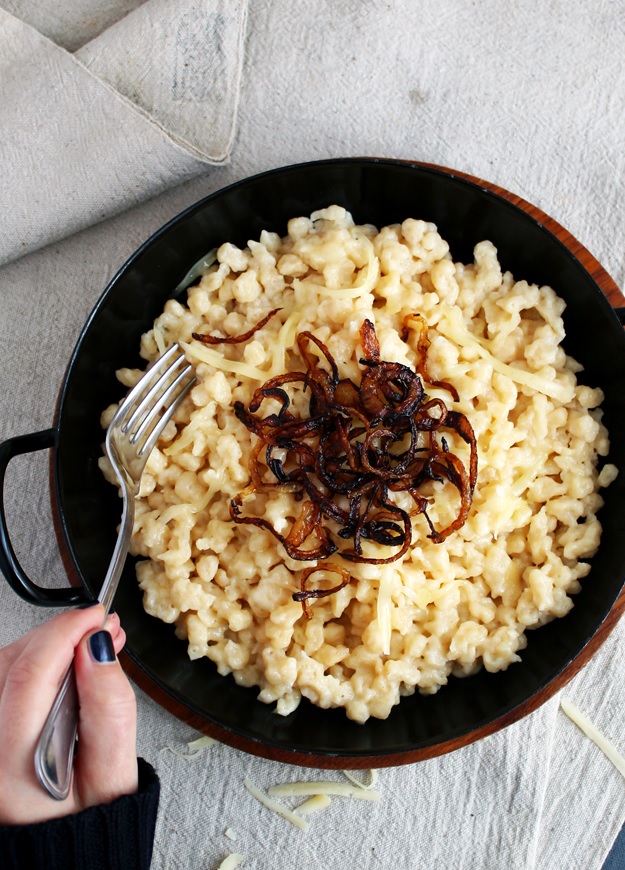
(34, 673)
(58, 624)
(32, 678)
(118, 635)
(106, 762)
(32, 670)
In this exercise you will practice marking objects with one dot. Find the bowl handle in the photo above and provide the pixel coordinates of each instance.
(9, 564)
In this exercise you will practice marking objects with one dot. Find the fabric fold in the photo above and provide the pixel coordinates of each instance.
(147, 104)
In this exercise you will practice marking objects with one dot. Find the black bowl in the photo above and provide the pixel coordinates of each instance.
(379, 192)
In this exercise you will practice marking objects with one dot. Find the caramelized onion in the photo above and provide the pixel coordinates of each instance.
(423, 345)
(306, 594)
(235, 339)
(352, 451)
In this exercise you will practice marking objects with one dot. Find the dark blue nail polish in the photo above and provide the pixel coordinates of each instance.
(87, 604)
(101, 647)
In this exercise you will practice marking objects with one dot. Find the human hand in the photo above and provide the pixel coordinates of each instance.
(31, 671)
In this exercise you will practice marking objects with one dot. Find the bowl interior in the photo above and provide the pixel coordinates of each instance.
(378, 192)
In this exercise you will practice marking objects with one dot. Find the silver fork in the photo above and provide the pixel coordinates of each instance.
(130, 438)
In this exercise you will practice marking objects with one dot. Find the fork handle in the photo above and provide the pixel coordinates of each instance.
(54, 754)
(118, 559)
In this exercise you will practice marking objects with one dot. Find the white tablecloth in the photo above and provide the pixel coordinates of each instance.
(529, 97)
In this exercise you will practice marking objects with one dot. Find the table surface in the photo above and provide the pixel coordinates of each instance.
(531, 100)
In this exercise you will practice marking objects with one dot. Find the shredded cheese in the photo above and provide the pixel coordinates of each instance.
(266, 801)
(319, 792)
(373, 778)
(213, 358)
(285, 339)
(203, 420)
(451, 326)
(159, 338)
(590, 730)
(342, 789)
(231, 861)
(365, 283)
(524, 481)
(198, 270)
(385, 606)
(194, 747)
(314, 804)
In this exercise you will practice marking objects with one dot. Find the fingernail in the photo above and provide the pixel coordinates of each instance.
(101, 647)
(87, 604)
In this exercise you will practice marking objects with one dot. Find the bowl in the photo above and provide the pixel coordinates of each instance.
(466, 210)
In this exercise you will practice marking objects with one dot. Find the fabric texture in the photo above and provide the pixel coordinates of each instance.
(528, 98)
(146, 104)
(115, 836)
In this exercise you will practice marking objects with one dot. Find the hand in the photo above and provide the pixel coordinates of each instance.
(31, 670)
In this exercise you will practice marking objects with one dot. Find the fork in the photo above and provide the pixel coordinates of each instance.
(130, 438)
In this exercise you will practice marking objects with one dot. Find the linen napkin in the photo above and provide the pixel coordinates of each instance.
(147, 103)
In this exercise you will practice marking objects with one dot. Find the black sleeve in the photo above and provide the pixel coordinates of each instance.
(115, 836)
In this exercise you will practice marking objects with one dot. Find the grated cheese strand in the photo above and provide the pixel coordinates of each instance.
(231, 861)
(365, 283)
(385, 606)
(285, 339)
(314, 804)
(194, 747)
(266, 801)
(201, 743)
(201, 420)
(339, 789)
(452, 327)
(159, 339)
(373, 778)
(591, 731)
(213, 358)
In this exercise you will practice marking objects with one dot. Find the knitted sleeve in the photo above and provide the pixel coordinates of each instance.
(114, 836)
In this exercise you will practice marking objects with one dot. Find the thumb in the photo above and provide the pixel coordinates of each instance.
(106, 762)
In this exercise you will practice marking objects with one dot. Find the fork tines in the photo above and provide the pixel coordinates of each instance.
(153, 400)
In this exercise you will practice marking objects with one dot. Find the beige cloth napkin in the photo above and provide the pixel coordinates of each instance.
(149, 102)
